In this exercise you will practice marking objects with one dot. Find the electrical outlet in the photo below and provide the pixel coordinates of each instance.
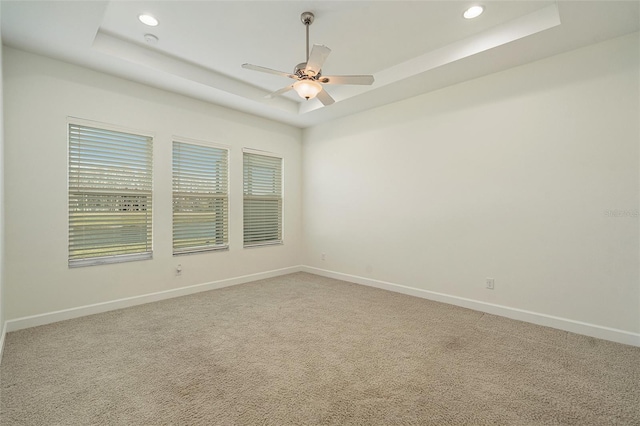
(490, 283)
(323, 256)
(178, 270)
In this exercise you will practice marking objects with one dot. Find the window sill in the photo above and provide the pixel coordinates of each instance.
(200, 251)
(107, 260)
(265, 244)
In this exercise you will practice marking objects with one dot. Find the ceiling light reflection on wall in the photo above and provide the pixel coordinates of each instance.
(148, 20)
(473, 12)
(307, 89)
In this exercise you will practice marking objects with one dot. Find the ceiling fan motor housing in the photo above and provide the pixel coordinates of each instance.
(300, 71)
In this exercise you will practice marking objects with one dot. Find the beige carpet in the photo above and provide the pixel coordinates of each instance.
(302, 349)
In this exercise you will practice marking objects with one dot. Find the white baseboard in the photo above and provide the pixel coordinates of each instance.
(600, 332)
(4, 333)
(51, 317)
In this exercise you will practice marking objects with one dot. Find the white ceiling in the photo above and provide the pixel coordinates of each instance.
(411, 47)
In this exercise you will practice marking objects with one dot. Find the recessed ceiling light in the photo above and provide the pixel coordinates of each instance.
(148, 20)
(473, 12)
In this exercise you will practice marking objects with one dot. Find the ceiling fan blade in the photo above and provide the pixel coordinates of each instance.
(279, 92)
(268, 70)
(347, 79)
(325, 98)
(317, 57)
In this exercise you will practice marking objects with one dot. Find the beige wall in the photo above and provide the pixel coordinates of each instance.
(2, 204)
(511, 176)
(39, 95)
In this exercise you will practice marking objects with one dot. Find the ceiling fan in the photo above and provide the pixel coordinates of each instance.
(309, 74)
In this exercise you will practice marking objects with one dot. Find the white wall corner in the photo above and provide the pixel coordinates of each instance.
(2, 204)
(578, 327)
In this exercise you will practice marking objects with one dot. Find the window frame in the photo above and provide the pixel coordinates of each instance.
(281, 200)
(112, 258)
(201, 249)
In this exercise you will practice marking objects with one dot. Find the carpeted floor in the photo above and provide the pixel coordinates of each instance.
(302, 349)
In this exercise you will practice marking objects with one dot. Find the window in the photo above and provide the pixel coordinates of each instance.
(110, 194)
(200, 198)
(262, 199)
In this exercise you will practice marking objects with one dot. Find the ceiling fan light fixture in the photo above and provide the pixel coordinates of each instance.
(473, 12)
(308, 74)
(307, 89)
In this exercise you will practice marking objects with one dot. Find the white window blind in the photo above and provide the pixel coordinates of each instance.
(110, 196)
(262, 199)
(200, 198)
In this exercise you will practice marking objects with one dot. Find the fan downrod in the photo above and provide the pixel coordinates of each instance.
(307, 19)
